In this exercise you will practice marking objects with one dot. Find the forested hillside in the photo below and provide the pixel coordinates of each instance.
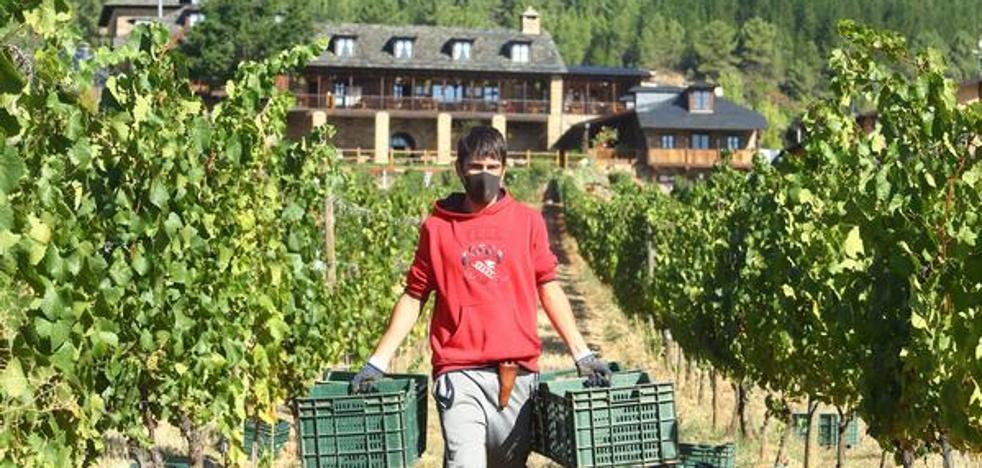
(769, 54)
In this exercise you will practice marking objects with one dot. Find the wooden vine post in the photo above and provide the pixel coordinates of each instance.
(330, 249)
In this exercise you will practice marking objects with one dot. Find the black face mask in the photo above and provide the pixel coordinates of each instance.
(482, 187)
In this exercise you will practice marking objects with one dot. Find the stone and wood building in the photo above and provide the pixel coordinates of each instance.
(673, 129)
(413, 89)
(401, 89)
(118, 17)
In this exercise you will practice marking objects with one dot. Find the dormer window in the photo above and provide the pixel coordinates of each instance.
(344, 46)
(461, 50)
(701, 100)
(402, 48)
(520, 52)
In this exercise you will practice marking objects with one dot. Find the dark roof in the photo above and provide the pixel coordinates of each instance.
(145, 3)
(701, 85)
(656, 89)
(607, 71)
(431, 49)
(111, 5)
(725, 116)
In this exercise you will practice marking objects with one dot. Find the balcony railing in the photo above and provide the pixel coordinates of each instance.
(593, 107)
(423, 103)
(429, 156)
(687, 157)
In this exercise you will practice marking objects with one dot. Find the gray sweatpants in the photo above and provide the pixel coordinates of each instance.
(476, 434)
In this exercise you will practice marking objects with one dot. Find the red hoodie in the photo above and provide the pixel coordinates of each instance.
(485, 268)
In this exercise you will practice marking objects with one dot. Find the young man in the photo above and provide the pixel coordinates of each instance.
(487, 257)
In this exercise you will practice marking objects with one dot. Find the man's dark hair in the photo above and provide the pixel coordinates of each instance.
(482, 141)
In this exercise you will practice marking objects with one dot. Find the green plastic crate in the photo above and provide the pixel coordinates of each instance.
(177, 462)
(266, 432)
(383, 429)
(708, 456)
(173, 461)
(631, 423)
(828, 429)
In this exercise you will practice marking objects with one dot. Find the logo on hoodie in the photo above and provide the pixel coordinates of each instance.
(482, 263)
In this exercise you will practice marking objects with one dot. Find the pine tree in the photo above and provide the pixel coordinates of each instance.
(466, 14)
(234, 31)
(572, 33)
(662, 42)
(713, 49)
(963, 59)
(382, 12)
(758, 48)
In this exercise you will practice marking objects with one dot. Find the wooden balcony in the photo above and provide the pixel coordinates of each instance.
(696, 158)
(423, 103)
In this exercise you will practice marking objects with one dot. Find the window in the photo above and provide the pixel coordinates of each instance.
(344, 46)
(461, 50)
(491, 93)
(700, 141)
(402, 141)
(399, 90)
(520, 52)
(732, 142)
(448, 92)
(668, 141)
(403, 48)
(701, 100)
(346, 96)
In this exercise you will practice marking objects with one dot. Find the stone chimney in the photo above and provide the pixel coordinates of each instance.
(531, 23)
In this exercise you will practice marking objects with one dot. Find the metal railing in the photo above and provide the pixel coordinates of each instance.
(593, 107)
(396, 157)
(423, 103)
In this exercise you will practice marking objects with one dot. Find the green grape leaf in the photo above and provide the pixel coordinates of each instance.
(917, 321)
(158, 195)
(11, 81)
(11, 169)
(13, 382)
(853, 245)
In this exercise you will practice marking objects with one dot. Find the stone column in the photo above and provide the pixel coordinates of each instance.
(444, 130)
(554, 126)
(500, 124)
(381, 137)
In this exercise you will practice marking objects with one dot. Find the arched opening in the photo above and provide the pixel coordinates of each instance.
(402, 142)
